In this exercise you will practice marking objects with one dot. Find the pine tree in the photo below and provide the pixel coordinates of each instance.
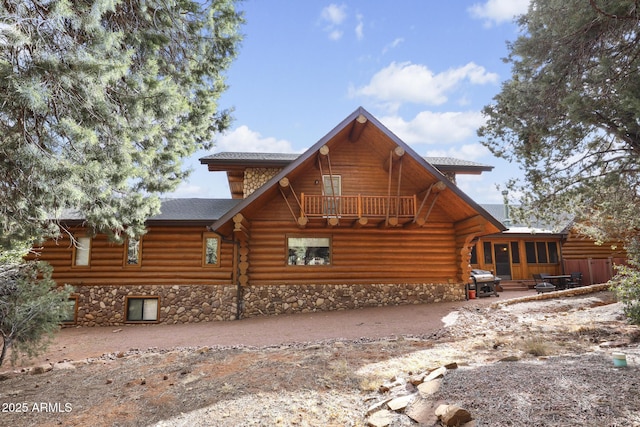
(570, 113)
(100, 100)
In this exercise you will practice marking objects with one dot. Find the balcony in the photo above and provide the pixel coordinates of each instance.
(358, 206)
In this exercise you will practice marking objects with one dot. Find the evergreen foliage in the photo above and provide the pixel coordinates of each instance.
(99, 102)
(570, 113)
(31, 308)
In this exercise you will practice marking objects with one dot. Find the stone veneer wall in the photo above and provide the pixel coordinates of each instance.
(254, 178)
(285, 299)
(105, 305)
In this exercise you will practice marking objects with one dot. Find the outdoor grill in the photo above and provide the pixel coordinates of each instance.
(484, 283)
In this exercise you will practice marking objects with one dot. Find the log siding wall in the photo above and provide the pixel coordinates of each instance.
(358, 256)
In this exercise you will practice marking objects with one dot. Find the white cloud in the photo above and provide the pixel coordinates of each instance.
(392, 45)
(471, 152)
(407, 82)
(436, 128)
(359, 27)
(499, 11)
(334, 15)
(246, 140)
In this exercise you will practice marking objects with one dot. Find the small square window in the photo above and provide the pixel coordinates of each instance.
(82, 252)
(142, 309)
(211, 250)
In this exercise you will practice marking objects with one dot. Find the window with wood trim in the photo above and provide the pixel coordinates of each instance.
(486, 249)
(142, 309)
(210, 250)
(541, 252)
(474, 255)
(308, 250)
(82, 251)
(133, 252)
(72, 318)
(332, 190)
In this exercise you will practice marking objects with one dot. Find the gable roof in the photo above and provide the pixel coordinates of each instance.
(221, 162)
(361, 116)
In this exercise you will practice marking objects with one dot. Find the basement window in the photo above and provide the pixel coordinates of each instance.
(72, 317)
(308, 250)
(143, 309)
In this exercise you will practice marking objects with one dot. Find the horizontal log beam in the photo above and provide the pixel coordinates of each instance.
(357, 128)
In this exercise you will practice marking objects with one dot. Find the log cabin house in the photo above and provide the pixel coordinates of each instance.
(357, 220)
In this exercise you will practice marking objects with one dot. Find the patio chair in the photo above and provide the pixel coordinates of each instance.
(576, 280)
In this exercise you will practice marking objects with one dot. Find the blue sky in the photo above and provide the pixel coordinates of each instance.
(424, 68)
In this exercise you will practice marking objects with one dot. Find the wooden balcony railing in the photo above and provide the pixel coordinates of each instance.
(358, 206)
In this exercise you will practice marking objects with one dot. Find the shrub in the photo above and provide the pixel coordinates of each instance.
(32, 307)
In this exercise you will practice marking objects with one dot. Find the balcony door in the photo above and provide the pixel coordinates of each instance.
(332, 190)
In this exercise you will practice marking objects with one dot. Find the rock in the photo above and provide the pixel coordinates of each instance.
(63, 366)
(422, 411)
(399, 403)
(382, 418)
(436, 373)
(452, 365)
(428, 388)
(509, 359)
(37, 370)
(614, 344)
(417, 379)
(452, 415)
(377, 406)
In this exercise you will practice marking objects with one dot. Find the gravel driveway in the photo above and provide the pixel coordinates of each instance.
(84, 342)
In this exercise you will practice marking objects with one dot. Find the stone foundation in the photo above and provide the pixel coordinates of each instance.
(105, 305)
(287, 299)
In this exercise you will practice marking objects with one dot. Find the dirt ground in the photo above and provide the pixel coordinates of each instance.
(541, 363)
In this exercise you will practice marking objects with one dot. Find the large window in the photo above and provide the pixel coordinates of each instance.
(211, 250)
(82, 252)
(309, 250)
(142, 309)
(541, 252)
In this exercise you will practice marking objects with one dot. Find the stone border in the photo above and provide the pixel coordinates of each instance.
(583, 290)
